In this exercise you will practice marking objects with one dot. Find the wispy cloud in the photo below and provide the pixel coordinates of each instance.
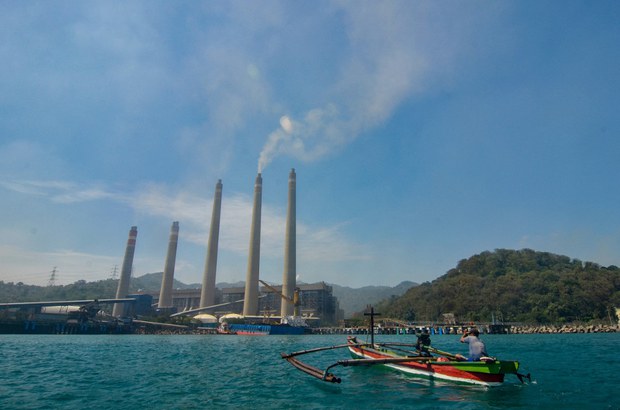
(329, 244)
(326, 243)
(194, 213)
(60, 191)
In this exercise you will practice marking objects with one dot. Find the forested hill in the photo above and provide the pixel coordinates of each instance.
(514, 286)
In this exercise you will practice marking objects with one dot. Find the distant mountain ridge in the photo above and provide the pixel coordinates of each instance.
(353, 300)
(152, 282)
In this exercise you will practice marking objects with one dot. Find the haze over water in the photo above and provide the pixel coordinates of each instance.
(196, 372)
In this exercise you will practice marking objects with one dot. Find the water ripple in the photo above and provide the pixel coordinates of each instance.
(198, 372)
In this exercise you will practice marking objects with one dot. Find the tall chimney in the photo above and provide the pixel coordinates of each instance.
(290, 247)
(250, 303)
(123, 283)
(207, 295)
(165, 294)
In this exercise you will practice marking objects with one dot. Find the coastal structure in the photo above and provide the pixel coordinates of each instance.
(207, 296)
(318, 302)
(123, 283)
(290, 250)
(165, 295)
(250, 305)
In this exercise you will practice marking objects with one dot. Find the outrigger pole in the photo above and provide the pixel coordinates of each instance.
(311, 370)
(318, 349)
(324, 374)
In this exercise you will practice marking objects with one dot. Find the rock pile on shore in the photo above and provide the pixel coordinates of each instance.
(564, 329)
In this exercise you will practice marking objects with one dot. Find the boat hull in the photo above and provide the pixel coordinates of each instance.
(479, 373)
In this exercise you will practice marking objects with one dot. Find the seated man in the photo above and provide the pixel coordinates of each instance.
(477, 349)
(423, 343)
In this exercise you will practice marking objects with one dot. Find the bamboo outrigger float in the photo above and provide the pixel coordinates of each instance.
(416, 359)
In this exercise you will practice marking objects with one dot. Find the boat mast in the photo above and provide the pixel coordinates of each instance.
(371, 330)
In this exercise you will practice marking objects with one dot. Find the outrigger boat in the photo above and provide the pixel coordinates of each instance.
(422, 361)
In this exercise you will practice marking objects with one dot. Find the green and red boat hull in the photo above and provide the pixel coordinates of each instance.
(485, 373)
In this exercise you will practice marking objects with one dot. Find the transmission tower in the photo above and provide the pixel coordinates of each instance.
(52, 281)
(114, 272)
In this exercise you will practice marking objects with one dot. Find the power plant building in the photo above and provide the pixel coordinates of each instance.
(317, 301)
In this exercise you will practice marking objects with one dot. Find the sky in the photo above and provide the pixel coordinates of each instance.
(421, 132)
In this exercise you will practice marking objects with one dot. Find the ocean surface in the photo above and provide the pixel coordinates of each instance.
(569, 371)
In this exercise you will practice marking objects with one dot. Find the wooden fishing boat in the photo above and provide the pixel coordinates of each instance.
(418, 359)
(487, 372)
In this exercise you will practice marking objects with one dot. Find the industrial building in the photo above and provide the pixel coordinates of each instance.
(314, 302)
(317, 302)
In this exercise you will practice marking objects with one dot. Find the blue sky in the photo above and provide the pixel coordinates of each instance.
(422, 132)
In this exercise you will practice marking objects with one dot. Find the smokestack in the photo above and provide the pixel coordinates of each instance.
(123, 283)
(207, 295)
(250, 304)
(290, 247)
(165, 294)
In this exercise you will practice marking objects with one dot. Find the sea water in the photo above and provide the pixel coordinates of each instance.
(569, 371)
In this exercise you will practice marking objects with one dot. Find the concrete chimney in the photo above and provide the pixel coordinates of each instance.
(207, 295)
(290, 248)
(165, 294)
(250, 303)
(123, 283)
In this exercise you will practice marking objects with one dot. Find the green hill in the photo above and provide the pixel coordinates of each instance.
(514, 286)
(20, 292)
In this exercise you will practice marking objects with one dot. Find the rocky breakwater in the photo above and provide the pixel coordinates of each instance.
(572, 328)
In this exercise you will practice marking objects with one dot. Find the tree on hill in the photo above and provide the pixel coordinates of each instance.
(514, 286)
(19, 292)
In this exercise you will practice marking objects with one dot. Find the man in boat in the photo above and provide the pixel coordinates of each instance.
(423, 343)
(477, 349)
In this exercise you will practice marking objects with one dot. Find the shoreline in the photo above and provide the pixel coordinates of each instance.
(39, 327)
(548, 329)
(484, 329)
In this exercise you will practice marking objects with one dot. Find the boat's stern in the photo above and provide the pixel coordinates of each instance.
(509, 367)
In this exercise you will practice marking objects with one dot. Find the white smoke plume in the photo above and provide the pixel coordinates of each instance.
(382, 68)
(307, 140)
